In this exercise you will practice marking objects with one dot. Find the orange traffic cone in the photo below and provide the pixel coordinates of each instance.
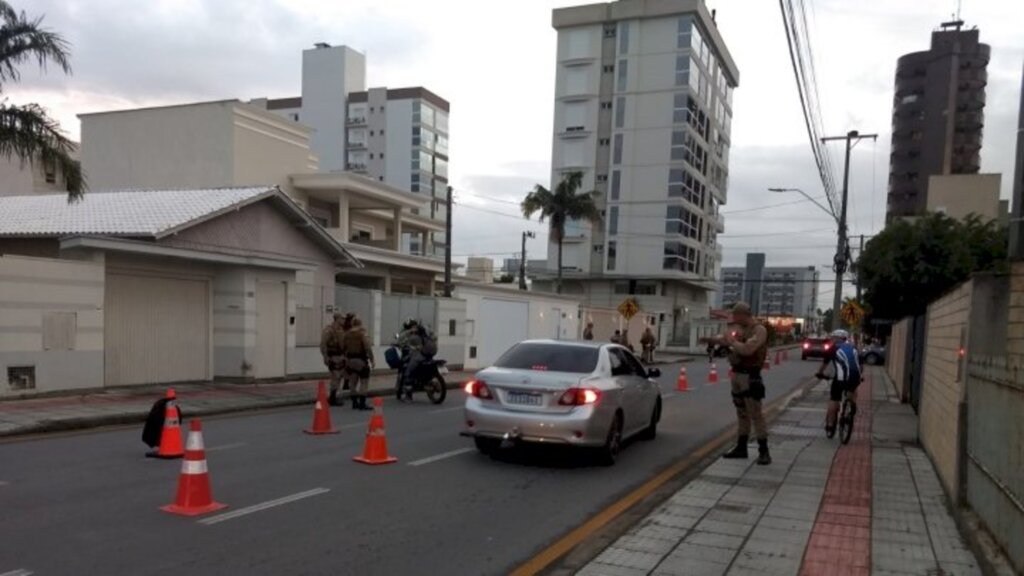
(321, 414)
(767, 365)
(713, 375)
(170, 437)
(376, 448)
(681, 384)
(194, 496)
(778, 357)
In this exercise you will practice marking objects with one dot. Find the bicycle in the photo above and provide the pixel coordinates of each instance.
(847, 410)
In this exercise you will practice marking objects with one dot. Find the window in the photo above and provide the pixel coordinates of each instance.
(371, 155)
(371, 132)
(608, 68)
(381, 155)
(623, 37)
(50, 174)
(623, 75)
(617, 150)
(616, 184)
(441, 167)
(680, 113)
(613, 221)
(620, 111)
(294, 117)
(684, 184)
(569, 358)
(612, 254)
(452, 327)
(679, 256)
(603, 141)
(606, 105)
(683, 38)
(679, 220)
(682, 70)
(679, 138)
(609, 30)
(602, 177)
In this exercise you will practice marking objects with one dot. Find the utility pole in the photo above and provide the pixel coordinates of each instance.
(859, 252)
(522, 260)
(842, 248)
(448, 245)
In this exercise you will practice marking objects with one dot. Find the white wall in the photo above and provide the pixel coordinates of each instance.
(328, 76)
(34, 288)
(398, 144)
(545, 315)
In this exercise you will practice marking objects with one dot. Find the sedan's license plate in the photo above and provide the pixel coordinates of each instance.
(524, 398)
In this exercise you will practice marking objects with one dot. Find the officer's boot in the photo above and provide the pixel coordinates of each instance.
(763, 457)
(739, 451)
(357, 402)
(333, 398)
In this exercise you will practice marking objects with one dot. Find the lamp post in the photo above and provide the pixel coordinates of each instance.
(522, 260)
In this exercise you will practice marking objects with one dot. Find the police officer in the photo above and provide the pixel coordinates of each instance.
(358, 352)
(331, 348)
(748, 350)
(411, 343)
(588, 332)
(647, 344)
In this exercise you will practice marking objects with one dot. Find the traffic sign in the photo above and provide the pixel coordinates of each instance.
(629, 308)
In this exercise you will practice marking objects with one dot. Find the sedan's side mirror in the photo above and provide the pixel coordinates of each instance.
(654, 373)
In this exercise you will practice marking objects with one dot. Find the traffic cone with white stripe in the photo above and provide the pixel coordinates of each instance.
(778, 357)
(376, 449)
(681, 384)
(194, 496)
(713, 375)
(170, 436)
(321, 414)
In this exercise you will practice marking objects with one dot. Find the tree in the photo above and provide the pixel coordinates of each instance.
(564, 204)
(826, 318)
(908, 265)
(27, 132)
(505, 279)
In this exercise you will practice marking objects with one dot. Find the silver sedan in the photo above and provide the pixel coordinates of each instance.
(583, 394)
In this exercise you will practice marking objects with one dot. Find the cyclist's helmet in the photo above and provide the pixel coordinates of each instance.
(840, 335)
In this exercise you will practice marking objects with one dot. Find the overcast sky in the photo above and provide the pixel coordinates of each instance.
(494, 61)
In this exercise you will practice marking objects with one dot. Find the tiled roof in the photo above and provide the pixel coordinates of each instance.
(134, 213)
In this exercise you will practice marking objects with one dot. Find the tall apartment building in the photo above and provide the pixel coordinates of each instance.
(938, 116)
(643, 108)
(397, 136)
(771, 291)
(401, 137)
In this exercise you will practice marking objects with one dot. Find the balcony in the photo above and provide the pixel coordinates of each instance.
(356, 167)
(356, 121)
(355, 145)
(572, 132)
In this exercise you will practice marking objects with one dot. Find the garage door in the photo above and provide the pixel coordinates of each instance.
(502, 324)
(156, 330)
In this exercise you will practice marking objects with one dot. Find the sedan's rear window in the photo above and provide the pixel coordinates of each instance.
(550, 358)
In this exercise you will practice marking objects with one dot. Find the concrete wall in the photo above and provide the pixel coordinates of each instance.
(958, 195)
(17, 179)
(172, 147)
(943, 386)
(328, 76)
(896, 359)
(36, 294)
(267, 149)
(1015, 329)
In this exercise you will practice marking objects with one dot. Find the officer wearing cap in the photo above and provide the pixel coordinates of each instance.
(748, 349)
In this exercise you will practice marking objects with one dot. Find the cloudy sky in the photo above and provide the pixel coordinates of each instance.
(495, 62)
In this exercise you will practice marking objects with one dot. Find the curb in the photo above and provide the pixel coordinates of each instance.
(85, 423)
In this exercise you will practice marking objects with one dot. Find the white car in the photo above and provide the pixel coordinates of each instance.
(586, 394)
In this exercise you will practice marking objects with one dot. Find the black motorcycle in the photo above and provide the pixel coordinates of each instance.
(428, 377)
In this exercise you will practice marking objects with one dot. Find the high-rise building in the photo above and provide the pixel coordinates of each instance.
(938, 116)
(771, 291)
(401, 137)
(643, 108)
(397, 136)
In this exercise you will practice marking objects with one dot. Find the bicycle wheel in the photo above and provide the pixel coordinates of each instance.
(845, 423)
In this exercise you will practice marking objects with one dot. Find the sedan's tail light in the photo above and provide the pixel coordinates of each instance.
(827, 346)
(479, 389)
(580, 397)
(807, 345)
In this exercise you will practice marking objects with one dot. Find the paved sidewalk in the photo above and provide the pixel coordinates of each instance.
(130, 405)
(874, 506)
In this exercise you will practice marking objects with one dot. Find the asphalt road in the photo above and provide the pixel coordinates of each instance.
(88, 503)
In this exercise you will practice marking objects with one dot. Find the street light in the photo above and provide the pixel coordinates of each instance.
(809, 197)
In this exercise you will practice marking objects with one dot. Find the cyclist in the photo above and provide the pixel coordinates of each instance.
(841, 362)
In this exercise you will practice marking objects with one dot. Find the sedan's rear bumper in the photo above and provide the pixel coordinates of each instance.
(583, 426)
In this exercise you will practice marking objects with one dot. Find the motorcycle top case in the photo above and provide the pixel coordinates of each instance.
(393, 358)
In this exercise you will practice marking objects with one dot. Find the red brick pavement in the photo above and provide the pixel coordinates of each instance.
(840, 542)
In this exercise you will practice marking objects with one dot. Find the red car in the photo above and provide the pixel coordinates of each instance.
(815, 348)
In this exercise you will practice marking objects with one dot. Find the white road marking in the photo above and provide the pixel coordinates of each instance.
(4, 483)
(225, 446)
(449, 409)
(668, 395)
(19, 572)
(432, 459)
(260, 507)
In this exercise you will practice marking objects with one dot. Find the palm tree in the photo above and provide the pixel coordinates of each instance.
(560, 206)
(27, 132)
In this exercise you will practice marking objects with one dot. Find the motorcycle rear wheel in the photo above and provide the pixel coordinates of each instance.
(436, 389)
